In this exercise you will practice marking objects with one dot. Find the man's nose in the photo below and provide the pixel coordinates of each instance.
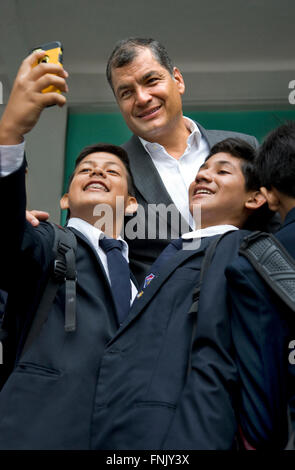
(142, 96)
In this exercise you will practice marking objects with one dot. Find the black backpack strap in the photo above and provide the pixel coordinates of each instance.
(63, 270)
(210, 250)
(274, 264)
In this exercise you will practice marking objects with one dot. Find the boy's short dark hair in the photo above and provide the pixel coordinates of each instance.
(276, 160)
(108, 148)
(239, 148)
(126, 50)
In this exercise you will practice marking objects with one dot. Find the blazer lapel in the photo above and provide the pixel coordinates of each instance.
(133, 279)
(147, 294)
(146, 177)
(103, 273)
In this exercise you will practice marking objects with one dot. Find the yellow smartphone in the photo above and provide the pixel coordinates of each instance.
(54, 55)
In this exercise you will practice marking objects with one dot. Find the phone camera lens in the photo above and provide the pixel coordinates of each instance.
(44, 59)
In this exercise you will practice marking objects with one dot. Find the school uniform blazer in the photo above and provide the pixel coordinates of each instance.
(163, 380)
(150, 190)
(168, 378)
(48, 401)
(259, 318)
(286, 235)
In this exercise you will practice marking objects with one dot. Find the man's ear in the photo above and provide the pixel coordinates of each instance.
(255, 200)
(272, 198)
(131, 205)
(64, 202)
(179, 80)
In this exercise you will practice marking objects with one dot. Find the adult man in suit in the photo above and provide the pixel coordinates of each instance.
(47, 401)
(166, 149)
(168, 377)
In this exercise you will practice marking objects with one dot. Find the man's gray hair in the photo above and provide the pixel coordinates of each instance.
(126, 50)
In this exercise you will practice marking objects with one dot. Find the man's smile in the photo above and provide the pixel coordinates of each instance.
(149, 113)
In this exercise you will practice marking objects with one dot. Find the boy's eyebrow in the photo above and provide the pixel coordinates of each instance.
(218, 162)
(225, 162)
(94, 163)
(87, 162)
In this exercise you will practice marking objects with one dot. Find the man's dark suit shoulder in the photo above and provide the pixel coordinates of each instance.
(149, 189)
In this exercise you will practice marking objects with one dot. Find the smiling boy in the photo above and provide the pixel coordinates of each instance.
(169, 378)
(47, 402)
(218, 188)
(101, 177)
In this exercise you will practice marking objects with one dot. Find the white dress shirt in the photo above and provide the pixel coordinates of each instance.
(11, 158)
(197, 235)
(209, 231)
(93, 235)
(177, 174)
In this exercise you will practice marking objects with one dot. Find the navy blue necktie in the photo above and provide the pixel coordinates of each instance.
(119, 275)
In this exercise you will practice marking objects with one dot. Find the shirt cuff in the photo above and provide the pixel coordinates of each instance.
(11, 158)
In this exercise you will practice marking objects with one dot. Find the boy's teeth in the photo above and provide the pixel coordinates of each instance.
(203, 191)
(97, 186)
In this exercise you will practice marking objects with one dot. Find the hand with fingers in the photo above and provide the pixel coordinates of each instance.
(35, 217)
(27, 101)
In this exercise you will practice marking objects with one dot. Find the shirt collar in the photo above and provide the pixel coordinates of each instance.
(93, 234)
(195, 136)
(209, 231)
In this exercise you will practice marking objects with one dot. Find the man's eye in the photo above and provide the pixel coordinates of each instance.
(84, 170)
(114, 172)
(152, 80)
(125, 94)
(223, 172)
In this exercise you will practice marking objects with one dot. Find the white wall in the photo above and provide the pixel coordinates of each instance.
(45, 151)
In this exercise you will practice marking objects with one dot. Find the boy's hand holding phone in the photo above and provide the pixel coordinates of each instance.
(54, 55)
(28, 99)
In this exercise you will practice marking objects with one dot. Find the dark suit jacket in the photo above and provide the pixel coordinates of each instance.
(259, 318)
(165, 384)
(47, 402)
(150, 190)
(3, 300)
(286, 234)
(156, 383)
